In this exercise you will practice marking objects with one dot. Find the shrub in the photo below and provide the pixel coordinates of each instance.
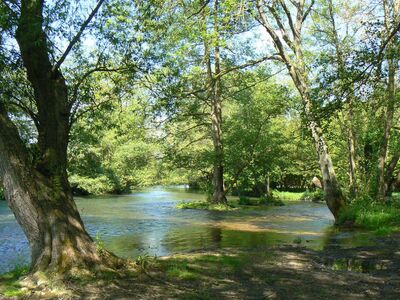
(96, 186)
(245, 201)
(270, 200)
(370, 214)
(316, 196)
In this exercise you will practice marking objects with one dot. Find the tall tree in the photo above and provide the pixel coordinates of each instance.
(37, 188)
(391, 19)
(287, 39)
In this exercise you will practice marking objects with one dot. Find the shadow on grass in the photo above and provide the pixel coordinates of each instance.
(286, 272)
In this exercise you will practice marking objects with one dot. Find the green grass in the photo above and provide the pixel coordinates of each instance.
(288, 196)
(379, 217)
(243, 202)
(181, 271)
(206, 206)
(9, 282)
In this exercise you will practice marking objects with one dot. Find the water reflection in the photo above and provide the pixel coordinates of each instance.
(148, 222)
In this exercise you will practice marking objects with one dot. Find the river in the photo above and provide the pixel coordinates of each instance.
(148, 222)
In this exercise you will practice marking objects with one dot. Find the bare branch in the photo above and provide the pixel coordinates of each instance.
(77, 36)
(307, 12)
(289, 16)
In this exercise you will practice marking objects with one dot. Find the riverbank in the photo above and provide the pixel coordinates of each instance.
(281, 272)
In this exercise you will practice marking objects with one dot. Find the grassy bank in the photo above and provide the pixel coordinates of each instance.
(230, 274)
(9, 283)
(383, 218)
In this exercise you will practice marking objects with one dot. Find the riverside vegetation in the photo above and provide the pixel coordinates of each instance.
(256, 104)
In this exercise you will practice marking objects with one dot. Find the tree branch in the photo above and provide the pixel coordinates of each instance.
(77, 36)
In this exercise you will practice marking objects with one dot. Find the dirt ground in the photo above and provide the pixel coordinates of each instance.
(285, 272)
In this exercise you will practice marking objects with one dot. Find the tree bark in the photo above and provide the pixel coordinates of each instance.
(297, 70)
(351, 139)
(218, 196)
(46, 212)
(37, 190)
(352, 153)
(391, 16)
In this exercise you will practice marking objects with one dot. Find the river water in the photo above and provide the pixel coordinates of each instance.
(148, 222)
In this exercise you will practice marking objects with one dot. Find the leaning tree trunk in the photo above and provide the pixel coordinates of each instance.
(45, 210)
(332, 191)
(37, 189)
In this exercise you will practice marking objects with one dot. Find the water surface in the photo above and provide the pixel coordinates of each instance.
(148, 222)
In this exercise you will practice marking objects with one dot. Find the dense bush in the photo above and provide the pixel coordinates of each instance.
(245, 201)
(316, 196)
(270, 200)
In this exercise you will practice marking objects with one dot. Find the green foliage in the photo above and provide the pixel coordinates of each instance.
(245, 201)
(112, 151)
(101, 250)
(2, 194)
(288, 196)
(205, 205)
(145, 261)
(270, 200)
(9, 282)
(315, 196)
(367, 213)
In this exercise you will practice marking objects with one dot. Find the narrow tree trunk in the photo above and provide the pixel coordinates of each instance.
(268, 186)
(351, 140)
(332, 191)
(389, 178)
(352, 153)
(216, 116)
(218, 173)
(391, 11)
(388, 121)
(296, 66)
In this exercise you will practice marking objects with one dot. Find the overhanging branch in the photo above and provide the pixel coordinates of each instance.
(77, 36)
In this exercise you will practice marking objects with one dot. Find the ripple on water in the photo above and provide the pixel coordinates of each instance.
(148, 222)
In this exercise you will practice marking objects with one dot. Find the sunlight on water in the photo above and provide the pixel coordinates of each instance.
(147, 221)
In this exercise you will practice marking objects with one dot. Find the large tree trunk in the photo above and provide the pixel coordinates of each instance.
(37, 189)
(45, 210)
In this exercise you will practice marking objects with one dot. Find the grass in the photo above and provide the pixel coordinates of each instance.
(383, 218)
(242, 202)
(9, 282)
(187, 267)
(206, 206)
(288, 196)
